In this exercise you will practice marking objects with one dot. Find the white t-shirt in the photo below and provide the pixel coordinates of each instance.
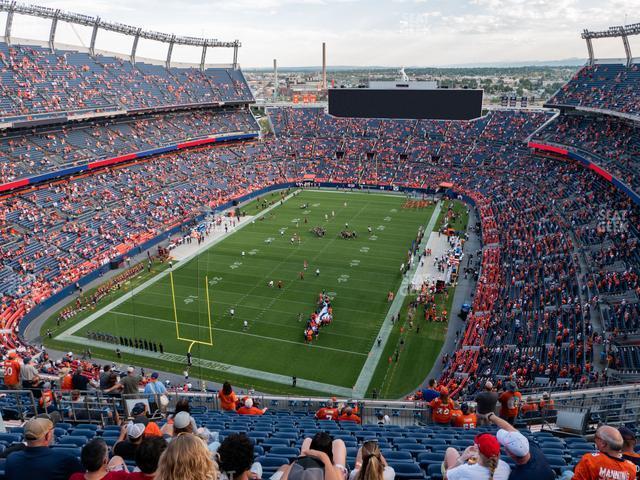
(478, 472)
(388, 474)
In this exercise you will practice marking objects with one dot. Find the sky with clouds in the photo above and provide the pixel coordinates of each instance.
(357, 32)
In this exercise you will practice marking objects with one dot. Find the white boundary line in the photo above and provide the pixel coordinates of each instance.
(223, 367)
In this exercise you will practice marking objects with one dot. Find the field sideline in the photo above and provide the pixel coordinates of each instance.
(357, 273)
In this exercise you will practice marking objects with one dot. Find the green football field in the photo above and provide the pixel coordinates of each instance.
(190, 308)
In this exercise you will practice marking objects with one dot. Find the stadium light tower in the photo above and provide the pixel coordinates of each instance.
(94, 36)
(7, 28)
(96, 23)
(52, 32)
(616, 31)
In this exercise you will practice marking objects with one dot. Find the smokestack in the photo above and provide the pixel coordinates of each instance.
(275, 79)
(324, 66)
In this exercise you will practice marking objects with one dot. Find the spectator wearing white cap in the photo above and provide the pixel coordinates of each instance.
(531, 463)
(249, 409)
(183, 422)
(131, 435)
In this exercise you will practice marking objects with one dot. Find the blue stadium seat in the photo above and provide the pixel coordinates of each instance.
(407, 471)
(288, 452)
(393, 456)
(72, 440)
(10, 437)
(434, 471)
(276, 442)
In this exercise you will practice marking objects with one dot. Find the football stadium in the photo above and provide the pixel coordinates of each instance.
(393, 280)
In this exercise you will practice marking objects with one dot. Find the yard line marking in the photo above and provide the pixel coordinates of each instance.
(241, 333)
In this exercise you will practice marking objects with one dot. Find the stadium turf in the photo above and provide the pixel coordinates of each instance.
(357, 273)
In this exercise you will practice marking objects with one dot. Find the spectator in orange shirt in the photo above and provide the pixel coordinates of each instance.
(349, 416)
(67, 381)
(456, 412)
(228, 398)
(547, 402)
(441, 408)
(12, 371)
(249, 409)
(510, 403)
(608, 463)
(530, 406)
(327, 413)
(468, 419)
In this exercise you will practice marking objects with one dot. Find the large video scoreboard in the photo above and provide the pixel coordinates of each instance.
(435, 104)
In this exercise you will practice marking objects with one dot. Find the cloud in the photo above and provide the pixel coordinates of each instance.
(360, 32)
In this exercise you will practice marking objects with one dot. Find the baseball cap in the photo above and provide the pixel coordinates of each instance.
(137, 409)
(155, 375)
(487, 444)
(36, 428)
(182, 420)
(135, 430)
(627, 433)
(131, 370)
(514, 442)
(248, 403)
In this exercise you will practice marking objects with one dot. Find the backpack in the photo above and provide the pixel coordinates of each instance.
(306, 468)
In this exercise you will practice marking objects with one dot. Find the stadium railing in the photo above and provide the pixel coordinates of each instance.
(612, 405)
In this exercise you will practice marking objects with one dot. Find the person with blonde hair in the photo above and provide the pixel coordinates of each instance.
(186, 458)
(481, 461)
(371, 464)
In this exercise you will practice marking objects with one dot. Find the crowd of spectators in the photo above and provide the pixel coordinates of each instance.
(185, 444)
(610, 142)
(604, 87)
(532, 310)
(37, 81)
(49, 149)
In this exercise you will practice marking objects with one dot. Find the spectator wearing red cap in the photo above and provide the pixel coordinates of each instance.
(530, 462)
(481, 461)
(442, 408)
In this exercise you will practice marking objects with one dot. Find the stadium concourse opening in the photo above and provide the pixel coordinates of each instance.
(242, 302)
